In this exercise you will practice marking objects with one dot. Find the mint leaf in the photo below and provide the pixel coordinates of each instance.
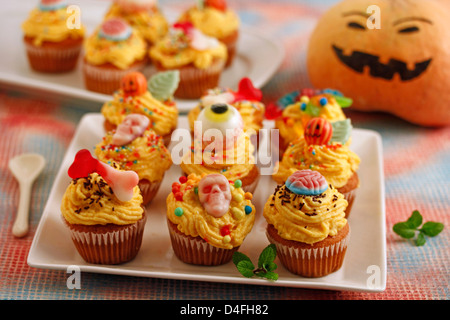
(404, 231)
(408, 229)
(245, 268)
(420, 241)
(271, 275)
(415, 220)
(267, 255)
(265, 264)
(431, 228)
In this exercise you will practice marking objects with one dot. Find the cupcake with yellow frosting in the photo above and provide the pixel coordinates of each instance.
(132, 146)
(143, 15)
(199, 58)
(102, 208)
(306, 221)
(208, 218)
(299, 107)
(215, 19)
(324, 148)
(247, 100)
(53, 38)
(153, 98)
(112, 51)
(222, 146)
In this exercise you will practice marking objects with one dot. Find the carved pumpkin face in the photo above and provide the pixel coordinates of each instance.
(134, 84)
(403, 67)
(318, 131)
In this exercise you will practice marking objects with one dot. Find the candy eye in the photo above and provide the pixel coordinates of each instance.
(355, 25)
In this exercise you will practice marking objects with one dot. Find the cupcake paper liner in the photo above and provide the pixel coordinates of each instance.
(101, 246)
(148, 190)
(314, 262)
(197, 251)
(350, 196)
(52, 60)
(107, 80)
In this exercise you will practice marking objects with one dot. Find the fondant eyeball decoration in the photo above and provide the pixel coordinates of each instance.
(52, 5)
(318, 131)
(222, 117)
(115, 29)
(121, 182)
(306, 182)
(214, 194)
(133, 126)
(133, 84)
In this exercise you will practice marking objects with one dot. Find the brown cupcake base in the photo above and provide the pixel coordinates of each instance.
(148, 190)
(106, 78)
(349, 192)
(195, 250)
(194, 82)
(108, 244)
(53, 57)
(312, 261)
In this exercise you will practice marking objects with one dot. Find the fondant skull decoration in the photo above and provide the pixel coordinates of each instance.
(214, 194)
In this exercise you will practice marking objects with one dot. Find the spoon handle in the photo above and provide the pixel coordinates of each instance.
(20, 227)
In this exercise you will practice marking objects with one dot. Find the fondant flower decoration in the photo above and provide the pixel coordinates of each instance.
(306, 182)
(51, 5)
(214, 194)
(132, 127)
(318, 131)
(133, 84)
(115, 29)
(121, 182)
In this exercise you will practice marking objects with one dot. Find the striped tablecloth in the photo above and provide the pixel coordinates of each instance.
(416, 168)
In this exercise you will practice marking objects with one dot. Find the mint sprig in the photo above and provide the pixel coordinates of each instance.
(409, 228)
(266, 266)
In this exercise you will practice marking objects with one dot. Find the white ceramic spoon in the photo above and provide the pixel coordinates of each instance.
(26, 168)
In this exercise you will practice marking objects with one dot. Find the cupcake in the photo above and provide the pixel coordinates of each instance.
(200, 59)
(215, 19)
(132, 146)
(208, 218)
(112, 51)
(306, 222)
(153, 99)
(222, 146)
(247, 100)
(299, 107)
(143, 15)
(52, 42)
(324, 148)
(102, 209)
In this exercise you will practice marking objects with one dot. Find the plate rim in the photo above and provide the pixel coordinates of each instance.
(301, 283)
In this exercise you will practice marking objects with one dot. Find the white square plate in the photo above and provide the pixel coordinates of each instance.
(364, 267)
(258, 57)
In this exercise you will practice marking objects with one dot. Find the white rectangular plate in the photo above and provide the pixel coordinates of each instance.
(258, 57)
(364, 267)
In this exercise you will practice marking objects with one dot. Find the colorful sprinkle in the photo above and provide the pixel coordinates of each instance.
(179, 211)
(182, 179)
(248, 209)
(225, 230)
(323, 101)
(238, 183)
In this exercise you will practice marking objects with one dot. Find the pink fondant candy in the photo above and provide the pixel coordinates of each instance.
(115, 29)
(246, 91)
(214, 194)
(307, 182)
(133, 126)
(121, 182)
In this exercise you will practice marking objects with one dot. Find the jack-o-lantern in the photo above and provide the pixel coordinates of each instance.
(318, 131)
(134, 84)
(396, 58)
